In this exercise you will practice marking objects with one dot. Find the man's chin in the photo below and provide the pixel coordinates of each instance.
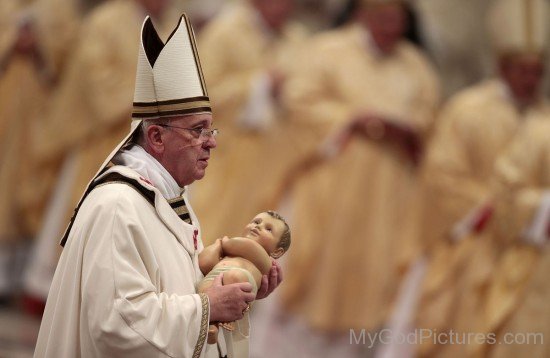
(200, 174)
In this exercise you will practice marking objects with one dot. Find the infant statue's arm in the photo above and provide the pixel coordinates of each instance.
(210, 256)
(247, 249)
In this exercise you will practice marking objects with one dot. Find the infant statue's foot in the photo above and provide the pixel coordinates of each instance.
(230, 326)
(212, 334)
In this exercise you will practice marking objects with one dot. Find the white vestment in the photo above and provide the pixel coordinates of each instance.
(125, 283)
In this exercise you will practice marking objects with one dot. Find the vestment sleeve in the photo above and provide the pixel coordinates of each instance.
(520, 180)
(453, 189)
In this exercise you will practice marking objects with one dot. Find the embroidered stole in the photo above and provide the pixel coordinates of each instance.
(180, 207)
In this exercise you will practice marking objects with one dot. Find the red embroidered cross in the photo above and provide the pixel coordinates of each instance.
(195, 239)
(147, 181)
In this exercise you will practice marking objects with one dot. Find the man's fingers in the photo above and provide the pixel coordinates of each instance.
(270, 281)
(279, 271)
(265, 284)
(262, 291)
(273, 280)
(244, 286)
(249, 297)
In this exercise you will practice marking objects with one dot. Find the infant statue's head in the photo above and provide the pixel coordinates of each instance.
(271, 231)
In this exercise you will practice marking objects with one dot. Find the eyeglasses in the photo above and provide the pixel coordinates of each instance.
(202, 133)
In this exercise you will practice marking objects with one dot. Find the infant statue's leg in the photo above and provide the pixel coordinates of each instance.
(230, 276)
(234, 276)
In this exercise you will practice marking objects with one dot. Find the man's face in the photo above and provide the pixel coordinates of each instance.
(186, 154)
(275, 12)
(523, 75)
(266, 231)
(387, 25)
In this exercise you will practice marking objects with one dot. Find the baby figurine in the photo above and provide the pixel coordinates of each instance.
(244, 259)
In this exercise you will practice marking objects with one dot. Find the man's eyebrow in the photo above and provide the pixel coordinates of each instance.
(202, 123)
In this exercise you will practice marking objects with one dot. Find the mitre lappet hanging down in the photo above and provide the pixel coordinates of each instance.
(169, 83)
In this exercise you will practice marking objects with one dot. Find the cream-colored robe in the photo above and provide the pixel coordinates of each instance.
(344, 271)
(236, 49)
(7, 37)
(125, 283)
(476, 127)
(531, 314)
(24, 91)
(517, 298)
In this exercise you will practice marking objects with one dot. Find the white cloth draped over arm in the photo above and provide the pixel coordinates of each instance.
(537, 232)
(259, 110)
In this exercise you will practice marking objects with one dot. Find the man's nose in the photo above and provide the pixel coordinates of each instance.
(211, 142)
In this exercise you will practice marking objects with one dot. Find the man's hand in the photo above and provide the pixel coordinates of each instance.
(270, 281)
(228, 302)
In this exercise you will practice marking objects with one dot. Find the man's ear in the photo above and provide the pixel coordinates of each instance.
(277, 253)
(154, 139)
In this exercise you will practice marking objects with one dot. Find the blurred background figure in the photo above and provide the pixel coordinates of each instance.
(475, 127)
(88, 116)
(36, 38)
(371, 96)
(519, 285)
(247, 54)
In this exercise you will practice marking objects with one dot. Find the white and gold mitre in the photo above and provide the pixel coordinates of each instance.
(169, 80)
(519, 26)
